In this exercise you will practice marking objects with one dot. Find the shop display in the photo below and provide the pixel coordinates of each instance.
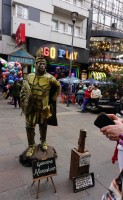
(11, 71)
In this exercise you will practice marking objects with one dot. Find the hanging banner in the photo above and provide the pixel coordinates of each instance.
(20, 35)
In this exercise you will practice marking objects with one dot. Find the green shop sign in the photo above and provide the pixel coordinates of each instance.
(28, 61)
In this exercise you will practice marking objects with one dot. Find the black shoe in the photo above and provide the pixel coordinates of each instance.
(84, 111)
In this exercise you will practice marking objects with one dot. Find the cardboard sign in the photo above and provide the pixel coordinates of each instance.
(43, 168)
(83, 182)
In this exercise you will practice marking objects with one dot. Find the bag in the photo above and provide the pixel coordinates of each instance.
(115, 191)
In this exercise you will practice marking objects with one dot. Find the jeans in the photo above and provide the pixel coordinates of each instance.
(85, 104)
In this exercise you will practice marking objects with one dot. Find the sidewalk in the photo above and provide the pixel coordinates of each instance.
(16, 180)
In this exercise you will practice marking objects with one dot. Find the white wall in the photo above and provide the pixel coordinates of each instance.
(71, 8)
(33, 29)
(0, 14)
(7, 45)
(45, 5)
(67, 39)
(45, 18)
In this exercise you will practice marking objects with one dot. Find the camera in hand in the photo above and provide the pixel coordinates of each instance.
(103, 120)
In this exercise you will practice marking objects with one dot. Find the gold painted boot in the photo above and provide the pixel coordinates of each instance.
(44, 145)
(31, 141)
(30, 151)
(43, 133)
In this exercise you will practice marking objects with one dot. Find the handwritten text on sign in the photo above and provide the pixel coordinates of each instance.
(44, 168)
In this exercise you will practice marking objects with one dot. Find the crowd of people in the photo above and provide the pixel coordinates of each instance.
(87, 95)
(90, 96)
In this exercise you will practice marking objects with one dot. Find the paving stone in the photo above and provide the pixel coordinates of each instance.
(11, 179)
(16, 180)
(18, 149)
(5, 148)
(7, 162)
(14, 140)
(21, 193)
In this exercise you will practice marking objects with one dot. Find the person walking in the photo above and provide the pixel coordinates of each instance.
(16, 88)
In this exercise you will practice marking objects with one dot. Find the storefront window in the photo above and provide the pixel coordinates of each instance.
(106, 55)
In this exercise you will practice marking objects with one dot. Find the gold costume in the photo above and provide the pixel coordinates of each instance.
(40, 109)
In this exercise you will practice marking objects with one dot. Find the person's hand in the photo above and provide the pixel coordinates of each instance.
(113, 131)
(115, 118)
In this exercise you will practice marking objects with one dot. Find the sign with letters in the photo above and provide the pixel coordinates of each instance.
(22, 60)
(53, 53)
(43, 168)
(83, 182)
(83, 161)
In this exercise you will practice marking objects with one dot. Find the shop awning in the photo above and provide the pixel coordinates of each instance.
(22, 57)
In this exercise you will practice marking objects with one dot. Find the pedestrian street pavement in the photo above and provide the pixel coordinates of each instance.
(16, 180)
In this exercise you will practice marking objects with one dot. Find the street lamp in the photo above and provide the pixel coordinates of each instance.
(74, 16)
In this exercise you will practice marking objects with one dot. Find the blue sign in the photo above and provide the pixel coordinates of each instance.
(22, 60)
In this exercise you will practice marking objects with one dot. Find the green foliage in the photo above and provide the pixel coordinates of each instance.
(116, 79)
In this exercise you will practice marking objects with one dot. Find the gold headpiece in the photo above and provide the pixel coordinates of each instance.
(40, 53)
(40, 56)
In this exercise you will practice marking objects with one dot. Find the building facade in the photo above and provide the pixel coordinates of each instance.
(106, 43)
(48, 24)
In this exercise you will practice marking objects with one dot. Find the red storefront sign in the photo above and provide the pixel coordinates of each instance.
(20, 35)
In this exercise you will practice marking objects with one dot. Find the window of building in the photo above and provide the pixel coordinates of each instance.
(70, 27)
(77, 31)
(62, 26)
(79, 3)
(54, 25)
(70, 1)
(21, 12)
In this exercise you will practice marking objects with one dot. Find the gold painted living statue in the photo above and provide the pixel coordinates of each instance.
(38, 101)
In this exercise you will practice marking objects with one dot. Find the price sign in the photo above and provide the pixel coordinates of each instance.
(83, 182)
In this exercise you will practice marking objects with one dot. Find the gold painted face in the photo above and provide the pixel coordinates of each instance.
(40, 65)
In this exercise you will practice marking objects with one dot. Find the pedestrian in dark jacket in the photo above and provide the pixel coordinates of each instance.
(80, 96)
(16, 88)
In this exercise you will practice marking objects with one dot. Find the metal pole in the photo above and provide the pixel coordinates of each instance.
(70, 68)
